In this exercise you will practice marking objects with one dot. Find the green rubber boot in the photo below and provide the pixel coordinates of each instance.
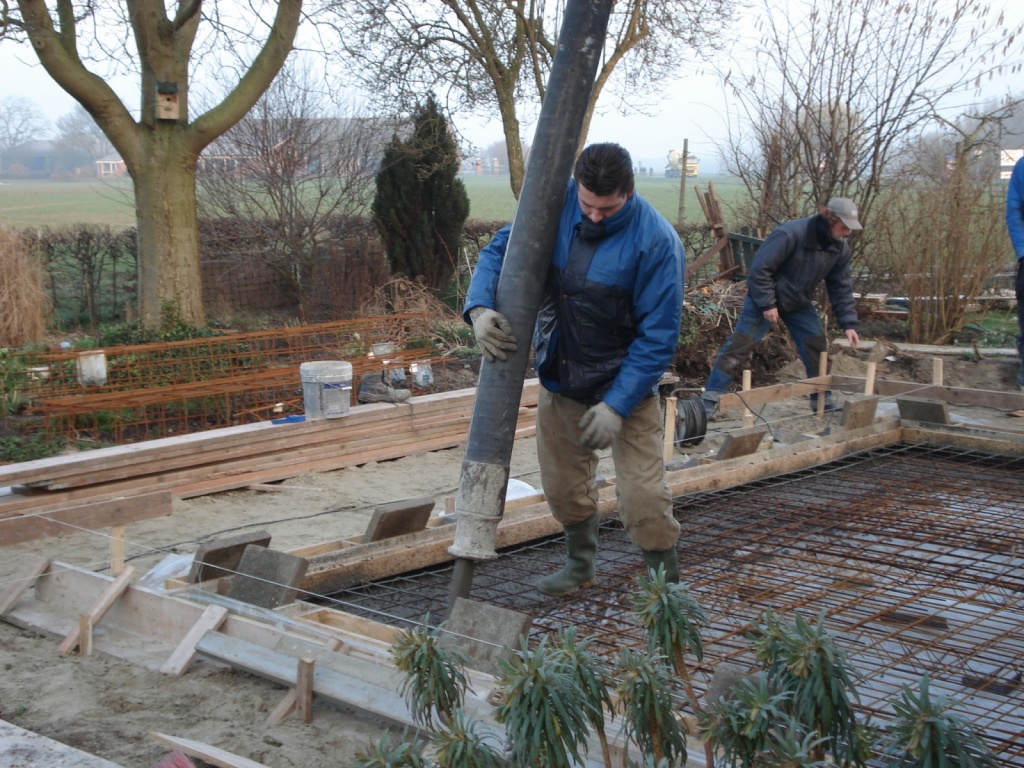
(580, 548)
(666, 558)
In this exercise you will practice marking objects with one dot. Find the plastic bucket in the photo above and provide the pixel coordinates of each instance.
(91, 367)
(326, 388)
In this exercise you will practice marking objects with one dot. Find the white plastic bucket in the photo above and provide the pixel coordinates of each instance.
(91, 367)
(326, 388)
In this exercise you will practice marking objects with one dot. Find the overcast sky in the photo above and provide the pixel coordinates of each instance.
(691, 107)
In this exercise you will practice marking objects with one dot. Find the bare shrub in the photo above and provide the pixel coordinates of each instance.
(24, 303)
(945, 241)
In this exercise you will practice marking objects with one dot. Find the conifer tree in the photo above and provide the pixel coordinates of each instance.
(421, 205)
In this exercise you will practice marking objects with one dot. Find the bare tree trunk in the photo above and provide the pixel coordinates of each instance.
(165, 209)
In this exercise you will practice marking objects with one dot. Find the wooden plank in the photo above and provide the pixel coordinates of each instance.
(186, 450)
(22, 582)
(763, 395)
(100, 608)
(185, 653)
(1006, 401)
(341, 688)
(205, 752)
(17, 529)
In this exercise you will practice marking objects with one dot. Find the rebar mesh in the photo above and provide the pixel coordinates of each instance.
(912, 554)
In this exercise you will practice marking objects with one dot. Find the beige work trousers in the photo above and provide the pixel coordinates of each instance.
(568, 471)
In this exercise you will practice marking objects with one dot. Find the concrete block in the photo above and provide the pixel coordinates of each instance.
(399, 517)
(923, 410)
(484, 632)
(859, 412)
(220, 557)
(790, 436)
(740, 443)
(268, 578)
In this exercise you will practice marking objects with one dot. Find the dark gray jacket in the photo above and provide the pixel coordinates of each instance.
(790, 265)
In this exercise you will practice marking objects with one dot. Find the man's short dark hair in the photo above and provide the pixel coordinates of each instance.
(604, 169)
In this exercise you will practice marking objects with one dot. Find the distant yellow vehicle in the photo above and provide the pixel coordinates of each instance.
(675, 165)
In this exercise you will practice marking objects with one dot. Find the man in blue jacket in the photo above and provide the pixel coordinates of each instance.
(606, 331)
(1015, 225)
(785, 274)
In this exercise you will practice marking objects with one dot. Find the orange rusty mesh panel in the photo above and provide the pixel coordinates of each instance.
(144, 366)
(144, 414)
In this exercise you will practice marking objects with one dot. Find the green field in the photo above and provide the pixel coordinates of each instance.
(36, 204)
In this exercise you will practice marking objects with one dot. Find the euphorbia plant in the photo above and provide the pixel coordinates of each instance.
(545, 713)
(928, 734)
(648, 710)
(435, 682)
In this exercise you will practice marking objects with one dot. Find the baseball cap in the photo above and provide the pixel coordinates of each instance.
(844, 208)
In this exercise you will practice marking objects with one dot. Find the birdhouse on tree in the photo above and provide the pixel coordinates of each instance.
(167, 101)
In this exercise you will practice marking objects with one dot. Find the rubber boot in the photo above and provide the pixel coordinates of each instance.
(580, 548)
(667, 558)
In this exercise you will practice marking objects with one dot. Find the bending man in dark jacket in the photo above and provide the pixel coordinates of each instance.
(606, 331)
(784, 276)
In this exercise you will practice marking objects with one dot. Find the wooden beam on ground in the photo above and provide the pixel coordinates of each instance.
(205, 752)
(99, 609)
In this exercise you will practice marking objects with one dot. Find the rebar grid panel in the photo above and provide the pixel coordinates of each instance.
(146, 414)
(911, 553)
(143, 366)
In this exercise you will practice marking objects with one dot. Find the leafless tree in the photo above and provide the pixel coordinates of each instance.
(493, 56)
(78, 131)
(79, 42)
(834, 92)
(21, 120)
(290, 176)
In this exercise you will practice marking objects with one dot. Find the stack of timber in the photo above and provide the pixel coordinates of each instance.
(117, 485)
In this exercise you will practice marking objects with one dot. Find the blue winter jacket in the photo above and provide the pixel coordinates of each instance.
(790, 265)
(625, 310)
(1015, 208)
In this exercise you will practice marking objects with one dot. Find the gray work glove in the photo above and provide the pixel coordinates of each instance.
(493, 333)
(600, 425)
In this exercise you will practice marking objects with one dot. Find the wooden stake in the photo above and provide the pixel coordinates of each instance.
(116, 550)
(22, 582)
(85, 634)
(748, 415)
(670, 428)
(822, 371)
(869, 379)
(304, 689)
(937, 371)
(99, 609)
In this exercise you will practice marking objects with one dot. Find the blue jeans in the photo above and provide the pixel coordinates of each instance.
(804, 326)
